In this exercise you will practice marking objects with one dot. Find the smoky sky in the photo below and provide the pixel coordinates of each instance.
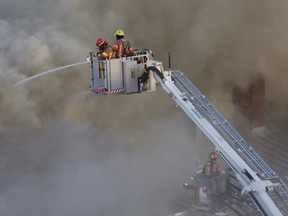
(64, 152)
(214, 42)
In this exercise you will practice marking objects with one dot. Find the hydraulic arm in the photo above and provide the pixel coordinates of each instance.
(251, 171)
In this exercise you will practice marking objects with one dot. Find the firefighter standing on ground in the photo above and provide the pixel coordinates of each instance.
(211, 168)
(121, 46)
(105, 51)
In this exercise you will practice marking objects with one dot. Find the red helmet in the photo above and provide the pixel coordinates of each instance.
(100, 41)
(213, 155)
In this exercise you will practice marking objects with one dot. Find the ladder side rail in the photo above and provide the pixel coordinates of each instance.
(239, 144)
(242, 152)
(226, 124)
(250, 151)
(225, 133)
(222, 130)
(258, 165)
(246, 157)
(204, 101)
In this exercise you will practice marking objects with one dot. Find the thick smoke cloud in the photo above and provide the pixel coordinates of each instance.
(215, 43)
(66, 153)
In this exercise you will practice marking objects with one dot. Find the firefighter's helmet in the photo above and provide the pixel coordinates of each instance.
(213, 155)
(100, 42)
(119, 32)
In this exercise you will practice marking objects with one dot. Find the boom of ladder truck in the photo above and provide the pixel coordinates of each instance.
(140, 73)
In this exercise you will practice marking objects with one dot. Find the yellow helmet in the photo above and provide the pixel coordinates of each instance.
(119, 32)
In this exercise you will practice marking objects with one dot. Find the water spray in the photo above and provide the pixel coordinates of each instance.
(48, 72)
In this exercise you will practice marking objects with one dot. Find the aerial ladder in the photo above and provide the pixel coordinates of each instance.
(140, 73)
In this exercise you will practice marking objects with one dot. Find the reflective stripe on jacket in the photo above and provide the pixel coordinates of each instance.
(123, 47)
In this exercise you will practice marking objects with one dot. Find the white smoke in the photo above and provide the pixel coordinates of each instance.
(64, 156)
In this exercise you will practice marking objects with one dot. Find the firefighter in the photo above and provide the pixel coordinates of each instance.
(214, 179)
(121, 46)
(105, 50)
(211, 168)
